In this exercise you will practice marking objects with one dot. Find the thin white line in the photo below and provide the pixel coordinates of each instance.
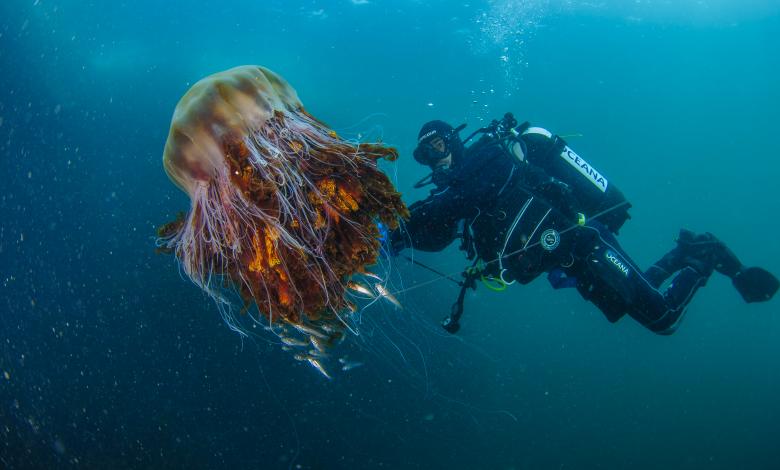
(514, 226)
(530, 237)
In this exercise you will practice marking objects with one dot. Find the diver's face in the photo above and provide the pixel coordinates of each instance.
(440, 146)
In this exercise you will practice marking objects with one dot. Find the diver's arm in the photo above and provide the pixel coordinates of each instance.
(432, 226)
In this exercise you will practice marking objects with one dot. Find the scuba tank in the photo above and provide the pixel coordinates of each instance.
(537, 146)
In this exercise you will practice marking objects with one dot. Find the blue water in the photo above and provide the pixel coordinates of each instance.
(109, 358)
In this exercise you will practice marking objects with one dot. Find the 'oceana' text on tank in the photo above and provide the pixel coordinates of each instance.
(584, 167)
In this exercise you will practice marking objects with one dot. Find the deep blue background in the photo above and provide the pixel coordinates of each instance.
(109, 359)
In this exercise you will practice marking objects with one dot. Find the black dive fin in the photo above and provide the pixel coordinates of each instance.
(756, 284)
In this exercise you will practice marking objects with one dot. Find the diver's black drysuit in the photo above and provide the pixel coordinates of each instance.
(518, 212)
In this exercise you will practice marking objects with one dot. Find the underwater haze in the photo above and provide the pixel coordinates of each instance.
(111, 358)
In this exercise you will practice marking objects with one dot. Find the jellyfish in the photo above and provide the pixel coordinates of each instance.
(283, 211)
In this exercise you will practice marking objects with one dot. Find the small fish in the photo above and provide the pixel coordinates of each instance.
(372, 276)
(318, 344)
(315, 353)
(350, 365)
(293, 341)
(387, 295)
(300, 357)
(310, 331)
(316, 364)
(360, 289)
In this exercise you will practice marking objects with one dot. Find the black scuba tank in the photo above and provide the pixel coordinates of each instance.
(589, 186)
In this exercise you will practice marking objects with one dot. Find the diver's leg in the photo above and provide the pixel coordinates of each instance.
(706, 253)
(603, 271)
(662, 312)
(703, 252)
(612, 281)
(754, 284)
(609, 278)
(669, 264)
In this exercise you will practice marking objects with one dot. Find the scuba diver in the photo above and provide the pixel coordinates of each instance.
(524, 203)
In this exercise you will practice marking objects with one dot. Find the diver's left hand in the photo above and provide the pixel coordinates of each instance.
(385, 247)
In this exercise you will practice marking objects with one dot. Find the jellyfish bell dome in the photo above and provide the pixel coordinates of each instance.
(228, 105)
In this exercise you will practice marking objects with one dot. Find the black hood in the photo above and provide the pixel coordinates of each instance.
(432, 129)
